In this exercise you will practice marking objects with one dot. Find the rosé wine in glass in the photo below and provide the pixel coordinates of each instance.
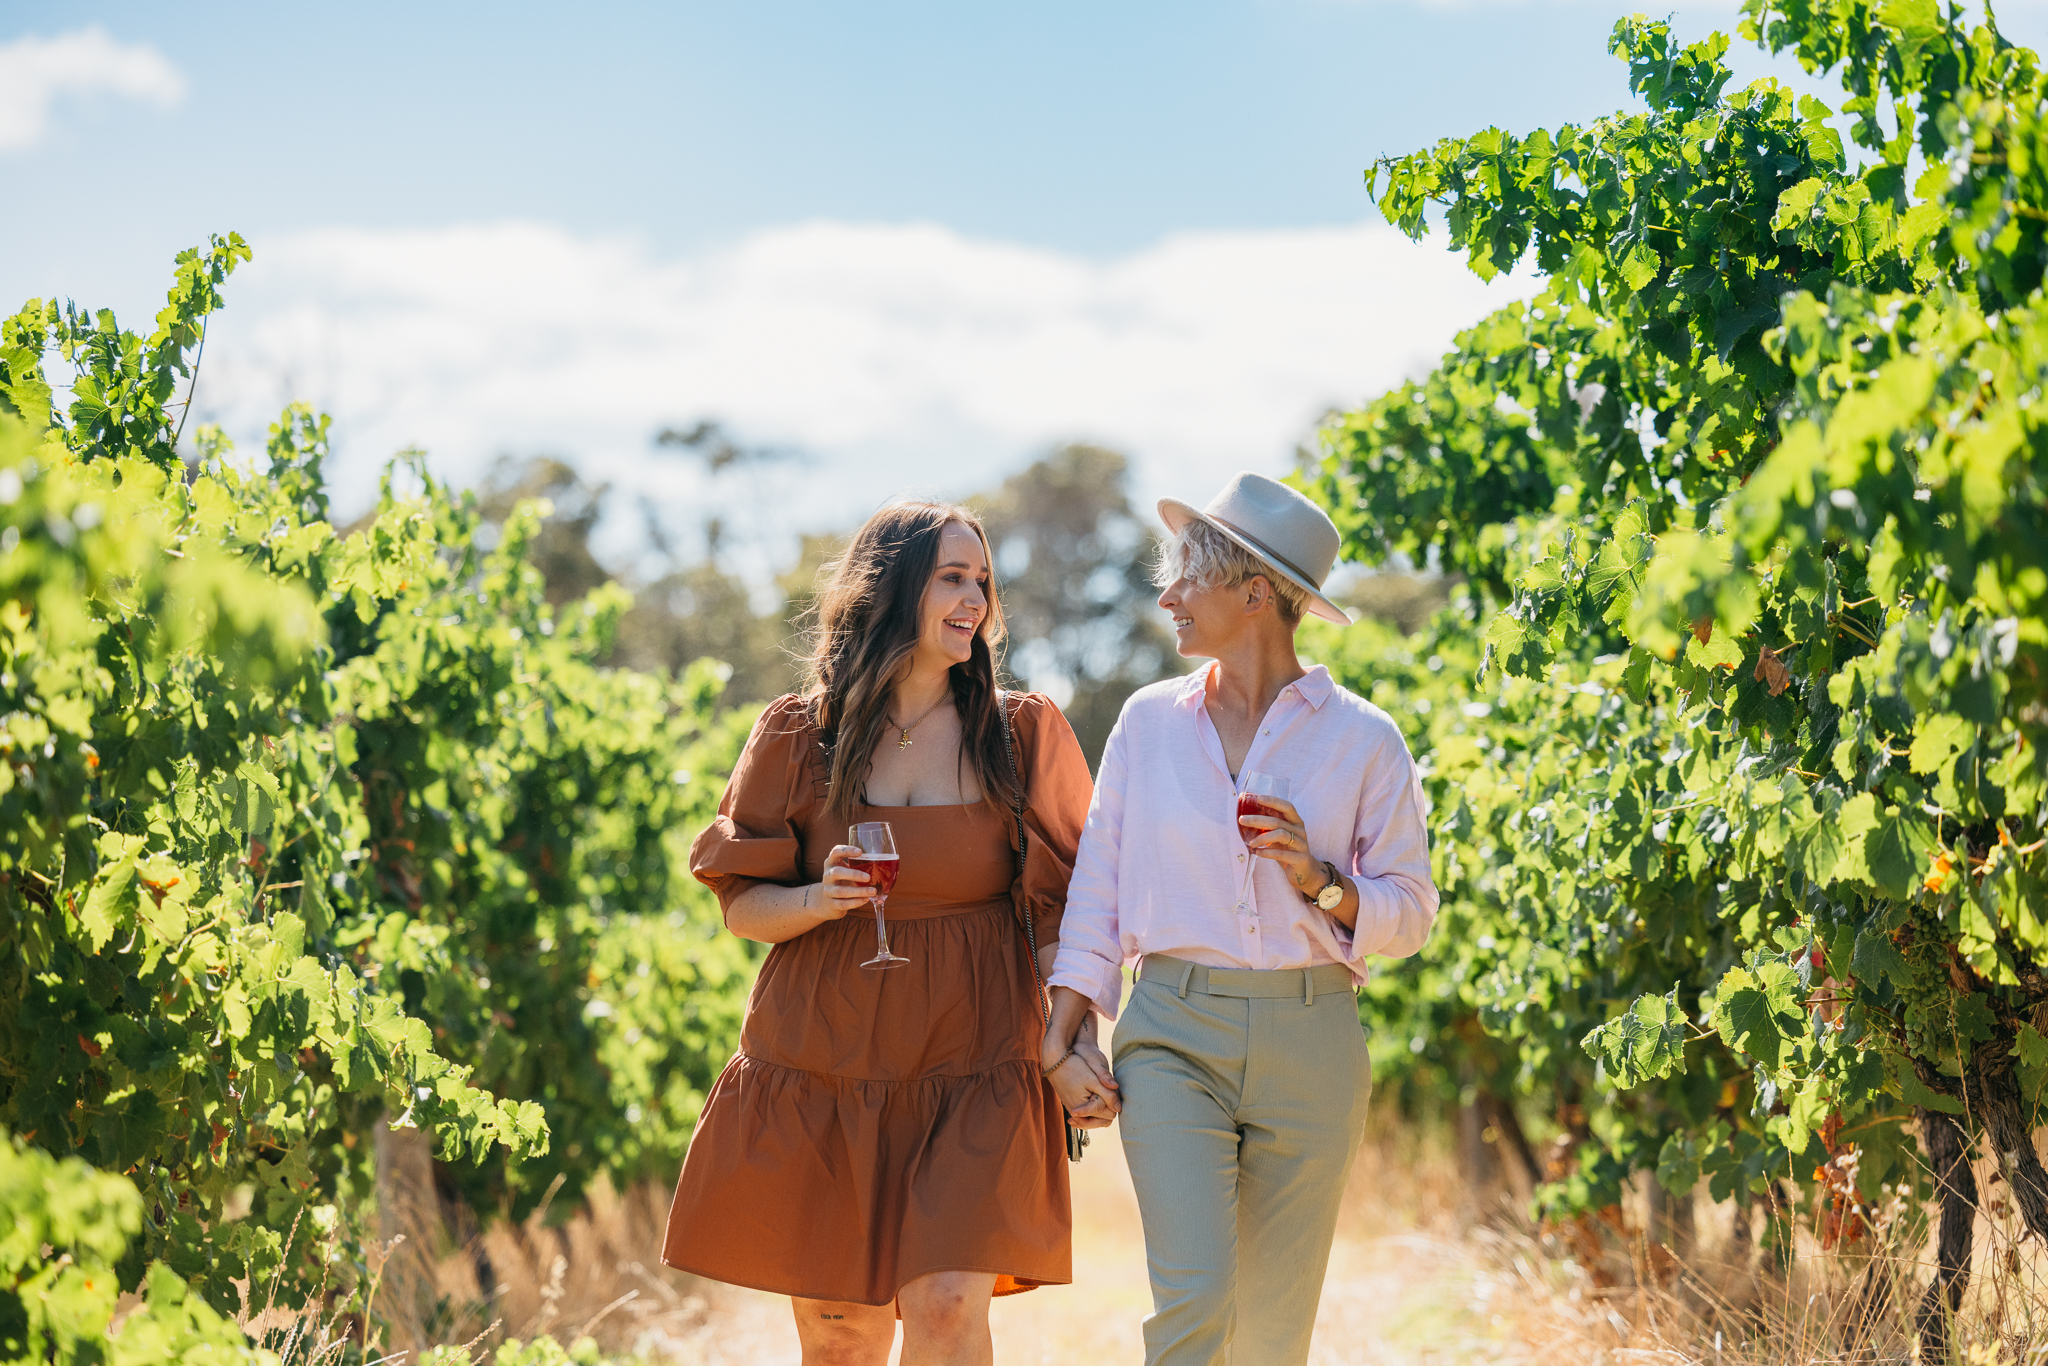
(1251, 788)
(881, 871)
(1249, 805)
(877, 845)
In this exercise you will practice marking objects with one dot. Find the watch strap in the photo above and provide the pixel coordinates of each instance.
(1335, 879)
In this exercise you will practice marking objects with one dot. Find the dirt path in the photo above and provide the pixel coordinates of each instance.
(1388, 1298)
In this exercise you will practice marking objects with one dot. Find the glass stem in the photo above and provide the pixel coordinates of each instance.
(881, 933)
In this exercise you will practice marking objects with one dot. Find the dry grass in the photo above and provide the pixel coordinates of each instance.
(1418, 1275)
(596, 1274)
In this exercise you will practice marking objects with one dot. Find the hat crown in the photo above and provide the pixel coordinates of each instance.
(1280, 521)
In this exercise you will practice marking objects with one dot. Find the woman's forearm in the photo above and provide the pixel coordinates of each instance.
(1047, 953)
(772, 913)
(1070, 1016)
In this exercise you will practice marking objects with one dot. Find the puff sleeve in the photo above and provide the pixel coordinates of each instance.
(757, 834)
(1057, 790)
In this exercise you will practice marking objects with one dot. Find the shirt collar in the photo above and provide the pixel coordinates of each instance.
(1189, 694)
(1315, 686)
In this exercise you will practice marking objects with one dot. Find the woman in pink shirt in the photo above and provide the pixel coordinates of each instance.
(1238, 1065)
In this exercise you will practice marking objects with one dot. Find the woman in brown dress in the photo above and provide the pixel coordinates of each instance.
(883, 1143)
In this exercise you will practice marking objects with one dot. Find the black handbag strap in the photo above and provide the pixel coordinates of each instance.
(1077, 1139)
(1017, 825)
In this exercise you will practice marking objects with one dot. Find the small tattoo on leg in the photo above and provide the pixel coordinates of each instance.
(831, 1316)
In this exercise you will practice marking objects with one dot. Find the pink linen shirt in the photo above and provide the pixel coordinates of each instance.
(1161, 863)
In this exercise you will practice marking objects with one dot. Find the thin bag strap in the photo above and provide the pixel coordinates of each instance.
(1017, 817)
(1077, 1139)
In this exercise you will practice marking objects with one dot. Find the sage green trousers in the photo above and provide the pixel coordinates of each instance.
(1244, 1099)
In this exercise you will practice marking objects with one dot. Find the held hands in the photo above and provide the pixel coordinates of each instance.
(1084, 1084)
(1285, 841)
(844, 889)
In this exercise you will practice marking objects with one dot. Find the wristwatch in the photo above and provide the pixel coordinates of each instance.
(1332, 894)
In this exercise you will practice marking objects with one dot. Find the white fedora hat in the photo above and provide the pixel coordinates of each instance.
(1294, 537)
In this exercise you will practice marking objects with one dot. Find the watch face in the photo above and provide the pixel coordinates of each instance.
(1331, 897)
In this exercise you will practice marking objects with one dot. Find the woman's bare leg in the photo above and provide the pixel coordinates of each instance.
(835, 1334)
(945, 1319)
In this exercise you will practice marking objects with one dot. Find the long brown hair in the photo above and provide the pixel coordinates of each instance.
(870, 614)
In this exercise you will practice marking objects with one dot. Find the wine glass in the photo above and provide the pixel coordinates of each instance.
(1250, 790)
(877, 845)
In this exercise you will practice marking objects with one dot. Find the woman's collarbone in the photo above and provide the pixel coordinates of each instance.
(938, 777)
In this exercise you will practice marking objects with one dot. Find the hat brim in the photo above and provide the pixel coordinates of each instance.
(1177, 514)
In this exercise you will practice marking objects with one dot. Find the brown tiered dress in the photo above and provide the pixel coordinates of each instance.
(875, 1127)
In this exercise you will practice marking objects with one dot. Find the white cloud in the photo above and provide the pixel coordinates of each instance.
(34, 72)
(898, 357)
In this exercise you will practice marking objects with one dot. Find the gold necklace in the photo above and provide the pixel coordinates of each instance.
(903, 732)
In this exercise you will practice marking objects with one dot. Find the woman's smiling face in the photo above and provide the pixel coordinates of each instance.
(956, 602)
(1204, 619)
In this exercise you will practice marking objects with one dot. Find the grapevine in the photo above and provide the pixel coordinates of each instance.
(1741, 827)
(304, 830)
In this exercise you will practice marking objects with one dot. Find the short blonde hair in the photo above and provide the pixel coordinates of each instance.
(1209, 559)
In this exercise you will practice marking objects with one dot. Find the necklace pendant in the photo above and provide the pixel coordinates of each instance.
(904, 741)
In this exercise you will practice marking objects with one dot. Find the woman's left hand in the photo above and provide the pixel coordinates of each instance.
(1284, 839)
(1085, 1085)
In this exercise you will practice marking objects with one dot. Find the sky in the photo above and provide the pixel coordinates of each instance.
(916, 244)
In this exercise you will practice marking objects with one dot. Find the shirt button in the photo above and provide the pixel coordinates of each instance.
(1240, 858)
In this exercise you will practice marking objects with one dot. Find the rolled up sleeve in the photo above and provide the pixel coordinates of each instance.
(1397, 898)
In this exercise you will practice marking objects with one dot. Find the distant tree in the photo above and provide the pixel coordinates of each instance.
(697, 611)
(799, 585)
(710, 442)
(1073, 557)
(692, 611)
(1404, 601)
(1074, 562)
(562, 551)
(698, 608)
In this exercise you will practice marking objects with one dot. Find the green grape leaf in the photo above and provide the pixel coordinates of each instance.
(1639, 267)
(130, 1129)
(1896, 852)
(1853, 823)
(1721, 651)
(1974, 1018)
(1758, 1010)
(1616, 576)
(1679, 1160)
(1546, 575)
(1876, 957)
(1937, 739)
(1645, 1043)
(1521, 647)
(1821, 845)
(1795, 206)
(1918, 22)
(1635, 676)
(114, 898)
(288, 932)
(1858, 817)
